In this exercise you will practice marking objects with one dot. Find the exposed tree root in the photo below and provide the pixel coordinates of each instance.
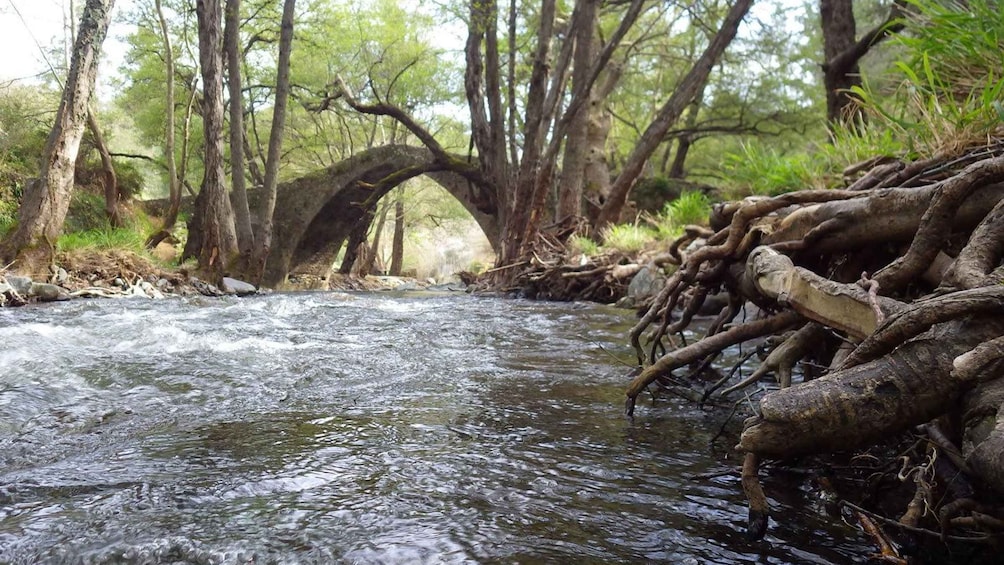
(921, 339)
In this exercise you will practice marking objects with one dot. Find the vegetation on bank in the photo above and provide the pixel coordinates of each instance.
(871, 242)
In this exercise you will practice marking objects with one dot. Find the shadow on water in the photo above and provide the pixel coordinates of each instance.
(326, 428)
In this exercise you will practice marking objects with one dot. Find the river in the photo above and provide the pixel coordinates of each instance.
(363, 428)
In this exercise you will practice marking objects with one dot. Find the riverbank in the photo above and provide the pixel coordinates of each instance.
(123, 273)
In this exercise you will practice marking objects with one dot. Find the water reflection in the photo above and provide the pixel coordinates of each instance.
(325, 428)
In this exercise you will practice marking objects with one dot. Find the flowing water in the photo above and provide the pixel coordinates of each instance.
(367, 428)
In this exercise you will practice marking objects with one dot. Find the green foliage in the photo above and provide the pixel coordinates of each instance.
(947, 92)
(103, 239)
(582, 245)
(627, 238)
(130, 178)
(86, 212)
(690, 208)
(766, 172)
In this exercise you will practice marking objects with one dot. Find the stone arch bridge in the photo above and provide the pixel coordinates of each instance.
(315, 214)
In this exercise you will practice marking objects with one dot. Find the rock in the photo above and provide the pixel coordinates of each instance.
(205, 288)
(409, 285)
(21, 285)
(45, 292)
(240, 288)
(60, 276)
(646, 284)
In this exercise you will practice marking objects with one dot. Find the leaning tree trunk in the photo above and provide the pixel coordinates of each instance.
(239, 197)
(109, 179)
(217, 236)
(173, 184)
(45, 203)
(397, 247)
(654, 134)
(263, 239)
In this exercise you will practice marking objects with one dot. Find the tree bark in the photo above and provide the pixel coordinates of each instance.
(173, 183)
(263, 239)
(842, 53)
(857, 406)
(397, 249)
(45, 203)
(238, 196)
(838, 25)
(576, 143)
(218, 238)
(109, 180)
(685, 92)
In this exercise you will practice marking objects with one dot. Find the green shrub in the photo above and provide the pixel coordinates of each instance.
(948, 92)
(760, 171)
(627, 238)
(690, 208)
(581, 245)
(103, 239)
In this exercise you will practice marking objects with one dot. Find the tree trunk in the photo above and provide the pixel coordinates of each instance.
(837, 19)
(397, 249)
(842, 53)
(677, 170)
(371, 259)
(573, 164)
(263, 239)
(109, 179)
(357, 237)
(854, 407)
(218, 245)
(46, 201)
(654, 134)
(238, 197)
(173, 184)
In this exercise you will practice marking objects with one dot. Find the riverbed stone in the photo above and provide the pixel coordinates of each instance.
(21, 285)
(240, 288)
(646, 284)
(45, 292)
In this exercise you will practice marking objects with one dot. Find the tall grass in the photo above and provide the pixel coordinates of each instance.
(103, 239)
(627, 238)
(692, 207)
(947, 92)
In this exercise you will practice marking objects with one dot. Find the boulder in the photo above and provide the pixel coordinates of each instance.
(240, 288)
(646, 284)
(21, 285)
(44, 292)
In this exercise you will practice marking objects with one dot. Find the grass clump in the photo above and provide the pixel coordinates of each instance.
(627, 238)
(947, 93)
(102, 240)
(692, 207)
(582, 245)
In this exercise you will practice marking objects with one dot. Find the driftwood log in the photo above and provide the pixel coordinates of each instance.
(883, 315)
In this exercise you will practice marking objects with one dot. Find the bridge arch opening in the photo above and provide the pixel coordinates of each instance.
(317, 214)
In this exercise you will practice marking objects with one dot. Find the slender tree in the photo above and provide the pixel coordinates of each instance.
(397, 245)
(108, 177)
(173, 182)
(842, 54)
(217, 241)
(45, 203)
(263, 240)
(670, 112)
(239, 197)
